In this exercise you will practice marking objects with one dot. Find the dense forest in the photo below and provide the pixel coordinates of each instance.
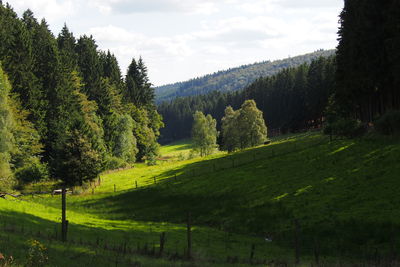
(368, 59)
(233, 79)
(293, 99)
(66, 110)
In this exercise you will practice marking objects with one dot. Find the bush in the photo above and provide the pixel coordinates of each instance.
(32, 172)
(37, 254)
(6, 261)
(113, 163)
(345, 127)
(389, 123)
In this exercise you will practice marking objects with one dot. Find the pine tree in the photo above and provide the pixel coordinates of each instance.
(67, 46)
(89, 66)
(138, 88)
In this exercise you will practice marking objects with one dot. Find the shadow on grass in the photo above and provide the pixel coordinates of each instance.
(213, 201)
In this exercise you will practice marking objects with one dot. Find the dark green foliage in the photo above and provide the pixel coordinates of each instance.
(138, 88)
(113, 163)
(367, 58)
(233, 79)
(344, 127)
(66, 45)
(80, 161)
(89, 66)
(16, 54)
(388, 123)
(33, 172)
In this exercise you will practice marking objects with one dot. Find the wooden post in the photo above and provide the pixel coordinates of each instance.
(189, 236)
(253, 248)
(316, 251)
(296, 241)
(155, 180)
(63, 214)
(162, 242)
(136, 184)
(115, 188)
(175, 176)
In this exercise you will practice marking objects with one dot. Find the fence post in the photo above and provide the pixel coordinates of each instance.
(64, 222)
(155, 181)
(316, 251)
(189, 236)
(253, 248)
(115, 188)
(136, 184)
(296, 241)
(162, 242)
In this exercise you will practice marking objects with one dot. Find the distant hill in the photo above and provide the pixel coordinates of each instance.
(233, 79)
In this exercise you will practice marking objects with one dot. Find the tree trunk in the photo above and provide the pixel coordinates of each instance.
(63, 214)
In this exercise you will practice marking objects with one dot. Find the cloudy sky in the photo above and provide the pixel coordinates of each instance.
(182, 39)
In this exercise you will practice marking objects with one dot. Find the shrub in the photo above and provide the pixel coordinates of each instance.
(32, 172)
(37, 254)
(389, 123)
(6, 261)
(113, 163)
(345, 127)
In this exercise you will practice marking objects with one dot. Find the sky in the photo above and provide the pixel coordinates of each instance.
(183, 39)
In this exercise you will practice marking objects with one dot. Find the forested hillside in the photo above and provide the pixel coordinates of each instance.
(233, 79)
(66, 111)
(293, 99)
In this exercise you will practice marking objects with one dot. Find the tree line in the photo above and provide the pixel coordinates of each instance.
(66, 111)
(293, 99)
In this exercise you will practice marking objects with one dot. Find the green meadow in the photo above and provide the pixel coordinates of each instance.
(342, 195)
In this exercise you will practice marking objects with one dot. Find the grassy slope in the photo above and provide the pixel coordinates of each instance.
(344, 194)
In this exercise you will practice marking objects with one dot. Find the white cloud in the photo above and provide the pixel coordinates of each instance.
(146, 6)
(48, 9)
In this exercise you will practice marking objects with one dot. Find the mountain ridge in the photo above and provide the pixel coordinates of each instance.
(233, 79)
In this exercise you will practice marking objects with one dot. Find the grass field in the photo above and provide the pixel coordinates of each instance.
(342, 194)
